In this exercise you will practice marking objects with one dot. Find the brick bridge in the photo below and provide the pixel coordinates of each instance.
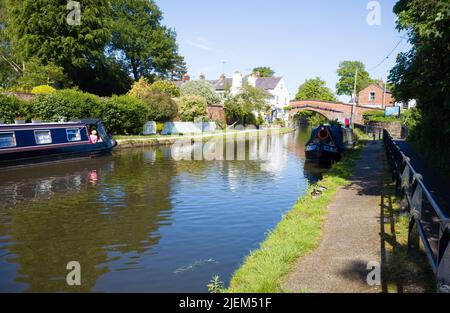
(331, 110)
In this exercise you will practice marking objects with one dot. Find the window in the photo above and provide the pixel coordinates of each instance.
(372, 96)
(43, 137)
(73, 134)
(7, 140)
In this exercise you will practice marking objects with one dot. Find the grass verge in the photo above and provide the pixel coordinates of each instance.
(400, 272)
(298, 234)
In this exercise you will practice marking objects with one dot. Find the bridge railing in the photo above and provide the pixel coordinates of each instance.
(428, 222)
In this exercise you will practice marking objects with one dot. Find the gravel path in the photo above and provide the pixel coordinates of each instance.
(351, 235)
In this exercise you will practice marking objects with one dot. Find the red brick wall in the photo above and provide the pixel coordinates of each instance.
(364, 97)
(216, 112)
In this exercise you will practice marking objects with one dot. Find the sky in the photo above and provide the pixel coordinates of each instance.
(299, 39)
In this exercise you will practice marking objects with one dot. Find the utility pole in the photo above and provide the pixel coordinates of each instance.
(383, 106)
(354, 99)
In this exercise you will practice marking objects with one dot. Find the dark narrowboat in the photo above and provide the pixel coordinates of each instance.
(32, 143)
(326, 144)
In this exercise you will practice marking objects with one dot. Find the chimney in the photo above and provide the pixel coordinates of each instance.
(237, 83)
(252, 79)
(186, 78)
(202, 76)
(381, 83)
(257, 74)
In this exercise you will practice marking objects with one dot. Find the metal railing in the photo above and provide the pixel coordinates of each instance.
(428, 222)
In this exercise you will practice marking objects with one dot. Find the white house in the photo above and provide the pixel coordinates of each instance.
(274, 86)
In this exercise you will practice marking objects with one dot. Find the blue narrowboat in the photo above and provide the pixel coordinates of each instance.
(29, 143)
(326, 144)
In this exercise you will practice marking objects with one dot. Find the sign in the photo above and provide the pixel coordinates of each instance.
(392, 111)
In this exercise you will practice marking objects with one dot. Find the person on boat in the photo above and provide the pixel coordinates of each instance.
(93, 137)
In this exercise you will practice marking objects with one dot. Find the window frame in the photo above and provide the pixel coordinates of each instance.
(374, 96)
(43, 130)
(13, 136)
(79, 132)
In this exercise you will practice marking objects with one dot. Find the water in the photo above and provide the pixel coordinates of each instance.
(139, 221)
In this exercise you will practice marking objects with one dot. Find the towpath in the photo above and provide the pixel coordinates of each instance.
(351, 238)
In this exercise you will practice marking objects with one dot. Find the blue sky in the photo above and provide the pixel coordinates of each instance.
(299, 39)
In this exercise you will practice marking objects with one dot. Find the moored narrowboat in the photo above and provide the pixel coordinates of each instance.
(22, 144)
(326, 144)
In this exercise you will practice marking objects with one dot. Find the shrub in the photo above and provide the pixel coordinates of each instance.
(140, 89)
(159, 127)
(43, 90)
(10, 108)
(165, 87)
(378, 116)
(161, 108)
(70, 104)
(124, 115)
(202, 89)
(191, 107)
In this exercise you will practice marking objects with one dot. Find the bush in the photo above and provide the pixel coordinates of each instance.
(10, 108)
(378, 116)
(202, 89)
(140, 89)
(191, 107)
(70, 104)
(124, 115)
(159, 127)
(161, 108)
(43, 90)
(165, 87)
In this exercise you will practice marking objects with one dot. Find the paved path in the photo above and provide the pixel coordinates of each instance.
(351, 234)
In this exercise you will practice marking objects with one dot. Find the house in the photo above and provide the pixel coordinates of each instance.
(406, 105)
(279, 96)
(375, 95)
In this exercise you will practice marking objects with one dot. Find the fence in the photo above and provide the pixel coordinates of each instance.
(428, 223)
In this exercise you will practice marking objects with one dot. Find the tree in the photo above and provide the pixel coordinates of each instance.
(264, 71)
(144, 47)
(315, 89)
(36, 74)
(161, 107)
(192, 107)
(165, 87)
(39, 29)
(140, 88)
(201, 88)
(241, 107)
(422, 74)
(178, 70)
(346, 73)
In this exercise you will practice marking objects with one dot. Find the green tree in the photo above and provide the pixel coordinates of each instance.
(264, 71)
(192, 107)
(203, 89)
(315, 89)
(144, 47)
(346, 73)
(36, 74)
(241, 107)
(422, 74)
(40, 29)
(165, 87)
(161, 107)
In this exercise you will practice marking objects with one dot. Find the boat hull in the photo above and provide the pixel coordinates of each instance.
(54, 155)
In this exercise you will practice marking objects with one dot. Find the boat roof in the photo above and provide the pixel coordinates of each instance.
(80, 122)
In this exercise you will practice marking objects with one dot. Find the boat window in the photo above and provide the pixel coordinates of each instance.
(43, 137)
(73, 134)
(7, 140)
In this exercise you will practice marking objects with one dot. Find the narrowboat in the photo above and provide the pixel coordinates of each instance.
(326, 144)
(31, 143)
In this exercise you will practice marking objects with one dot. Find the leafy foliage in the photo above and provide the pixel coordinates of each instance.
(165, 87)
(422, 74)
(202, 89)
(140, 88)
(315, 89)
(36, 74)
(68, 104)
(346, 73)
(264, 71)
(43, 90)
(124, 115)
(192, 107)
(143, 46)
(9, 108)
(161, 107)
(240, 108)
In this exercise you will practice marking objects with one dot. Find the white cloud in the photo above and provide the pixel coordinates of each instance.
(200, 43)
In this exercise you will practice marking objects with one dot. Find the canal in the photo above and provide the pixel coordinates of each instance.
(139, 221)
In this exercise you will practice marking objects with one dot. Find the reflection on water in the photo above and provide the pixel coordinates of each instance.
(141, 221)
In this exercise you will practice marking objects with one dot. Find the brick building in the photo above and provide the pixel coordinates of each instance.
(376, 95)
